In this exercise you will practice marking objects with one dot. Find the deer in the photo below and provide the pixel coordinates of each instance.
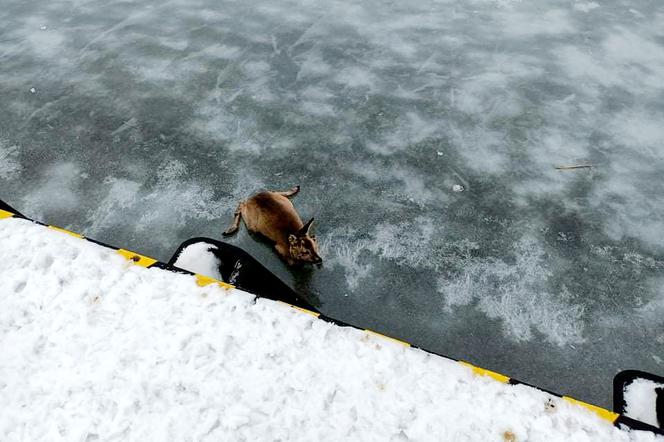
(273, 215)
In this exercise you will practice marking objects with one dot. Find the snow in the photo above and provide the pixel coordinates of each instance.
(151, 120)
(640, 399)
(198, 258)
(96, 348)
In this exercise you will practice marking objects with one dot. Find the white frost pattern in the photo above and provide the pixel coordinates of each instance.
(57, 190)
(10, 167)
(517, 295)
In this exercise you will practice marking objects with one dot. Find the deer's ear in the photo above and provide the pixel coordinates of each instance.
(307, 228)
(292, 239)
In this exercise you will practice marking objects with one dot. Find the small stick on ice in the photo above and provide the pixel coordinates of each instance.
(578, 166)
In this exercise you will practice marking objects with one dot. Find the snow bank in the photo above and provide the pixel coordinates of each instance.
(95, 348)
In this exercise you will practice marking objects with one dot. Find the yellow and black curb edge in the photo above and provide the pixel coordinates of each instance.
(145, 261)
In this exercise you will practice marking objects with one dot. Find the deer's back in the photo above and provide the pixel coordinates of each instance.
(272, 215)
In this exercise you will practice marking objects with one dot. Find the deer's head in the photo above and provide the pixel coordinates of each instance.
(302, 246)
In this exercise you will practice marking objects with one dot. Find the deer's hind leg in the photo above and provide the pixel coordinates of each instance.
(290, 192)
(236, 220)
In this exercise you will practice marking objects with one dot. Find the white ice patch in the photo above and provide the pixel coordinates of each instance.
(198, 258)
(312, 65)
(640, 399)
(490, 93)
(584, 65)
(169, 206)
(57, 190)
(546, 150)
(641, 131)
(165, 207)
(408, 129)
(630, 201)
(340, 248)
(357, 77)
(623, 56)
(97, 348)
(216, 123)
(318, 109)
(501, 3)
(585, 6)
(10, 167)
(636, 54)
(406, 243)
(484, 149)
(412, 187)
(48, 44)
(171, 171)
(122, 195)
(217, 51)
(517, 295)
(654, 309)
(518, 24)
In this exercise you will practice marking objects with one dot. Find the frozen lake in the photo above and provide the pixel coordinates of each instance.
(427, 137)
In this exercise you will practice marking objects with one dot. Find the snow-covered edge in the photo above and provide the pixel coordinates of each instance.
(477, 370)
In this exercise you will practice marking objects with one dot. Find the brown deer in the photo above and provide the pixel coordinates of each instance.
(273, 215)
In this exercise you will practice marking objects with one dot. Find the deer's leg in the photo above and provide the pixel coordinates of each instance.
(236, 221)
(289, 193)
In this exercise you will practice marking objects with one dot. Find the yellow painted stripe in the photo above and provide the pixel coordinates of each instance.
(5, 214)
(304, 310)
(138, 259)
(601, 412)
(300, 309)
(203, 280)
(484, 372)
(398, 341)
(60, 229)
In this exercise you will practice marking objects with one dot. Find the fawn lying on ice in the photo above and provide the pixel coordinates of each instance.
(272, 215)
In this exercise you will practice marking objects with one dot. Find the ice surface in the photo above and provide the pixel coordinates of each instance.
(151, 120)
(95, 348)
(9, 166)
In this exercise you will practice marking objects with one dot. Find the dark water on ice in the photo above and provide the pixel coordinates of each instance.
(150, 120)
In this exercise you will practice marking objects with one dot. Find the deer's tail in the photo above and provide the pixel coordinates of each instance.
(290, 192)
(235, 225)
